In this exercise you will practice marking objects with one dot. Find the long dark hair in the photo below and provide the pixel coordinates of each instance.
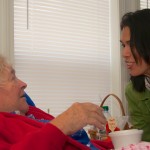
(139, 25)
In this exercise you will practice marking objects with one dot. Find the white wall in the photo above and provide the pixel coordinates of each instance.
(6, 29)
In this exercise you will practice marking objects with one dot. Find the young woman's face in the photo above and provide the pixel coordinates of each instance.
(134, 68)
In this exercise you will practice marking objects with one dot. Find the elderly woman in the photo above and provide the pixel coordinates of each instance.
(35, 129)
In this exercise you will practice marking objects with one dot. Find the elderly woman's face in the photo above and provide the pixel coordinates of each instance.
(134, 68)
(12, 92)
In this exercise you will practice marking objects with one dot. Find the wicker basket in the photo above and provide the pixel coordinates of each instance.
(92, 133)
(119, 101)
(120, 104)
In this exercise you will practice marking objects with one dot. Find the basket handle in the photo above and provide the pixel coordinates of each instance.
(117, 98)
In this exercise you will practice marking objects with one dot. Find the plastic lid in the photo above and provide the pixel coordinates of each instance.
(106, 108)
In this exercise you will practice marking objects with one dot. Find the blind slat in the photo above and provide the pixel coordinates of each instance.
(144, 4)
(64, 55)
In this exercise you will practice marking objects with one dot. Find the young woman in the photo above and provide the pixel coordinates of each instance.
(135, 40)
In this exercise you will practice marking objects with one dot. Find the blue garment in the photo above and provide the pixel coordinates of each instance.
(39, 120)
(80, 136)
(29, 100)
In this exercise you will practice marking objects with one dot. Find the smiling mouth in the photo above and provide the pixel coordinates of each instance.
(129, 64)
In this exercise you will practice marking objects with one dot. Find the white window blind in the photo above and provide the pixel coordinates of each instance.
(62, 51)
(144, 4)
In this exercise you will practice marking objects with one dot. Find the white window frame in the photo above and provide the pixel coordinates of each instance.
(119, 82)
(6, 29)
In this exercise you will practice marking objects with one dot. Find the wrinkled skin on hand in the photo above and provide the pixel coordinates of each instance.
(79, 115)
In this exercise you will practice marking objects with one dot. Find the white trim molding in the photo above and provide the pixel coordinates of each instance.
(115, 55)
(126, 6)
(6, 29)
(115, 48)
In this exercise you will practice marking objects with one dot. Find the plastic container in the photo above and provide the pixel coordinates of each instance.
(106, 112)
(103, 134)
(95, 133)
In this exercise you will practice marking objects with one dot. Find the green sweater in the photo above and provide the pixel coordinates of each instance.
(139, 110)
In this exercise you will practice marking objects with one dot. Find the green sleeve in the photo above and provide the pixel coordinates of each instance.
(139, 109)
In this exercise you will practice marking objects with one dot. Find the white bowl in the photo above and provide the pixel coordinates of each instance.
(124, 138)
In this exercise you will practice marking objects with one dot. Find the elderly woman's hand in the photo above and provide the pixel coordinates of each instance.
(78, 116)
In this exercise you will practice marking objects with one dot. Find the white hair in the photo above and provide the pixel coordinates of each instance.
(3, 65)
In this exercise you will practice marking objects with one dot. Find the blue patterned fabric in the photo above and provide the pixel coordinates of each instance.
(39, 120)
(80, 136)
(29, 100)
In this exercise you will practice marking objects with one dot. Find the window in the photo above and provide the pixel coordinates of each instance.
(62, 51)
(144, 4)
